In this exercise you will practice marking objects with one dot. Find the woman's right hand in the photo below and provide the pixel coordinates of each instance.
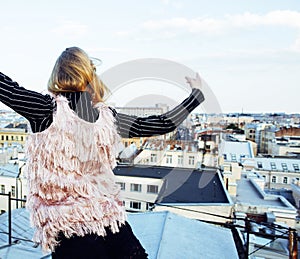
(194, 82)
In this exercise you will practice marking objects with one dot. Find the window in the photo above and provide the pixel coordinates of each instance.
(22, 138)
(122, 185)
(2, 137)
(12, 137)
(23, 203)
(273, 166)
(6, 137)
(17, 138)
(233, 157)
(180, 160)
(2, 188)
(285, 180)
(191, 160)
(149, 206)
(134, 187)
(225, 156)
(169, 159)
(135, 205)
(284, 167)
(259, 165)
(296, 167)
(153, 158)
(273, 179)
(152, 188)
(13, 191)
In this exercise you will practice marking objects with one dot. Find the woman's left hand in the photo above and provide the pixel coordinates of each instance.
(194, 82)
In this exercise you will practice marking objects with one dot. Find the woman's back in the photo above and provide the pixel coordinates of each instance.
(69, 166)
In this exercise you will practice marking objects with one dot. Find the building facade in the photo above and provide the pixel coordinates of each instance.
(13, 134)
(278, 172)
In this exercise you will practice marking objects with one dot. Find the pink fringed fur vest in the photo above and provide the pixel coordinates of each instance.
(72, 187)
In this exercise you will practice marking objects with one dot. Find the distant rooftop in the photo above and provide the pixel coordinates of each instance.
(248, 192)
(181, 185)
(171, 145)
(9, 170)
(236, 151)
(287, 164)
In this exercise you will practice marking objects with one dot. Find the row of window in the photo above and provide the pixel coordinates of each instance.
(274, 179)
(135, 187)
(283, 165)
(138, 205)
(169, 159)
(13, 190)
(16, 138)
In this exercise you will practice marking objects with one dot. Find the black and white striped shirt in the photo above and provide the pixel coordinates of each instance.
(38, 108)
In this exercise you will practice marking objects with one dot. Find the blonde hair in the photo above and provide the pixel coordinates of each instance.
(75, 72)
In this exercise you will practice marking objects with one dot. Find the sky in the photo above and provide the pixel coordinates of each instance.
(248, 52)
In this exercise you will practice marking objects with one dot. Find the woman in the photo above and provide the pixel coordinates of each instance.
(74, 202)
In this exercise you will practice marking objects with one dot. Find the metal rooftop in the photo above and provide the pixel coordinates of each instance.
(9, 170)
(165, 235)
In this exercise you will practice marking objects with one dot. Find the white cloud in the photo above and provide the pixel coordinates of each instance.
(123, 33)
(216, 25)
(175, 4)
(163, 29)
(274, 18)
(166, 24)
(105, 50)
(71, 28)
(296, 45)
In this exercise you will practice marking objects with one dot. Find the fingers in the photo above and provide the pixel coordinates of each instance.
(196, 78)
(194, 82)
(188, 78)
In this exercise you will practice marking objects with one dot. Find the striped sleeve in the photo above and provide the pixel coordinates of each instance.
(132, 126)
(32, 105)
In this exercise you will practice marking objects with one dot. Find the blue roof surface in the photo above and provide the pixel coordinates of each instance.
(9, 170)
(236, 151)
(163, 235)
(167, 235)
(20, 230)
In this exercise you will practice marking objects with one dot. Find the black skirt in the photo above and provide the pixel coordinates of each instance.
(121, 245)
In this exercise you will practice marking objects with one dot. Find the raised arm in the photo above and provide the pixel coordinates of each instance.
(132, 126)
(32, 105)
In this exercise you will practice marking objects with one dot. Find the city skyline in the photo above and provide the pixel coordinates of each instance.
(247, 53)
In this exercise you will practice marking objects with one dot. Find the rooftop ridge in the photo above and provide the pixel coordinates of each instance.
(162, 232)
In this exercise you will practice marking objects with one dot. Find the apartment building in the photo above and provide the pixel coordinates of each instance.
(183, 154)
(250, 131)
(12, 180)
(278, 172)
(13, 133)
(184, 191)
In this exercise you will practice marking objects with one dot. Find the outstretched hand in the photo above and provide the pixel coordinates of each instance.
(194, 82)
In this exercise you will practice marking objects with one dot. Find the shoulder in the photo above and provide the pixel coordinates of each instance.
(113, 110)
